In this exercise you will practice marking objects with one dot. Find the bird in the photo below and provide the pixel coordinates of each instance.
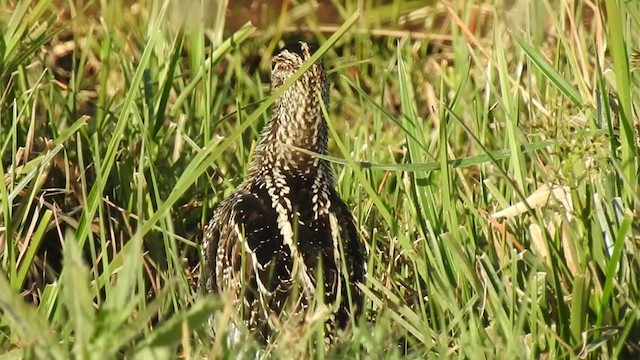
(284, 244)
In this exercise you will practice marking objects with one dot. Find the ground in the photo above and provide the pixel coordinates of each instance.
(488, 151)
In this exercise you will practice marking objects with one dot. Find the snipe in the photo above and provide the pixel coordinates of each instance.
(285, 231)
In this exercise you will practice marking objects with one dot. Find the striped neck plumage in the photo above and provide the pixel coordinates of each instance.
(297, 122)
(298, 119)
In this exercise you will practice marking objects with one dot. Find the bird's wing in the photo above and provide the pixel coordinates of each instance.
(211, 239)
(353, 252)
(251, 260)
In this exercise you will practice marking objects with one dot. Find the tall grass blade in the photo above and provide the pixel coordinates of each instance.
(552, 74)
(619, 53)
(77, 298)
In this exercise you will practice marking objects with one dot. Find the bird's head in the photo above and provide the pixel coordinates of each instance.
(289, 60)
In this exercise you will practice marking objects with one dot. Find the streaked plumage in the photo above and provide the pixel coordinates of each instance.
(266, 242)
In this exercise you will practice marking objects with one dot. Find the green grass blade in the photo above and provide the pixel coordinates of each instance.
(488, 157)
(415, 135)
(614, 264)
(29, 326)
(170, 332)
(509, 103)
(237, 38)
(78, 299)
(34, 245)
(554, 76)
(619, 53)
(167, 84)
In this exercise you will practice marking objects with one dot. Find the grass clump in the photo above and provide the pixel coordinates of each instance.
(489, 154)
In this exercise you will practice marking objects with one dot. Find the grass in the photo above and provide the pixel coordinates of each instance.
(489, 155)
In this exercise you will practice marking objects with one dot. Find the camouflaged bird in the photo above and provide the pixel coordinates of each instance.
(285, 233)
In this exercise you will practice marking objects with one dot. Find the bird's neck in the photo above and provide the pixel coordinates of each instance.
(299, 124)
(299, 121)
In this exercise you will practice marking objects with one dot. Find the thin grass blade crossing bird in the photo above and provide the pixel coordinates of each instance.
(285, 232)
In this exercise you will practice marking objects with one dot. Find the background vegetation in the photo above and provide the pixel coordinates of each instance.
(489, 152)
